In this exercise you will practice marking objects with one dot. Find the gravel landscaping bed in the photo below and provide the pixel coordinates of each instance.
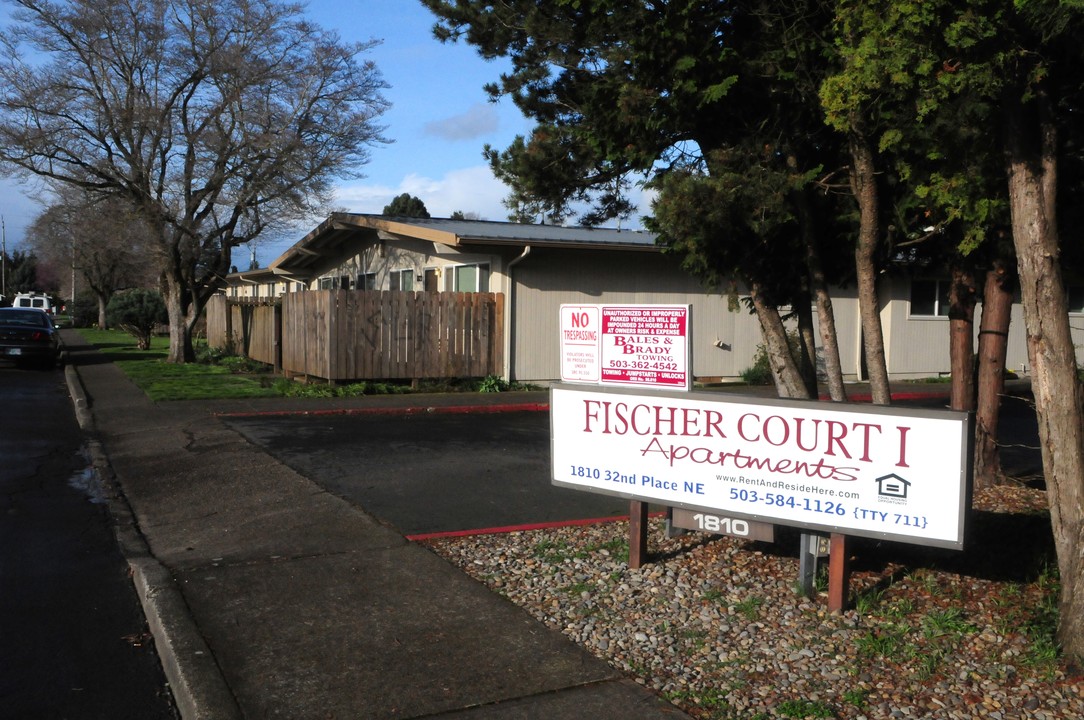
(717, 626)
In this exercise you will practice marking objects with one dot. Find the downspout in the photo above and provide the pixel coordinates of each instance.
(510, 313)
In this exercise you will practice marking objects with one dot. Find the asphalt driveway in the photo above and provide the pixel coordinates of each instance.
(431, 473)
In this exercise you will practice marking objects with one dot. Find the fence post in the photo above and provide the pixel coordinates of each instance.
(276, 337)
(227, 310)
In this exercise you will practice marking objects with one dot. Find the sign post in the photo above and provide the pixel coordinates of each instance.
(839, 573)
(643, 346)
(776, 462)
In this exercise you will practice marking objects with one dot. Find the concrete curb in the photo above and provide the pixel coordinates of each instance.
(79, 399)
(199, 689)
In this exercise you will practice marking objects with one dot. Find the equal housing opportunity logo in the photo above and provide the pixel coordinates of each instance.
(893, 489)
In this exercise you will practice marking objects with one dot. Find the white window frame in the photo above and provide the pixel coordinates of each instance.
(451, 274)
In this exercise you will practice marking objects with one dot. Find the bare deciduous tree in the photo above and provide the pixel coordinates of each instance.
(214, 119)
(105, 243)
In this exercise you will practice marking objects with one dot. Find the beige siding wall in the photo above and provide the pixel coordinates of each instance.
(914, 347)
(918, 347)
(396, 254)
(548, 278)
(262, 289)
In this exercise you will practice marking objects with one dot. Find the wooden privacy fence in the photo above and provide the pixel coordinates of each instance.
(367, 335)
(247, 327)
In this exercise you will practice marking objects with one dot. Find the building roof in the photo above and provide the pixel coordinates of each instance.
(343, 235)
(489, 232)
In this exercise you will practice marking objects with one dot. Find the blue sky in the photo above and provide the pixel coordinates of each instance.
(439, 119)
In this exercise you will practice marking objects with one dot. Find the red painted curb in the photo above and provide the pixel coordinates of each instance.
(865, 397)
(431, 410)
(512, 407)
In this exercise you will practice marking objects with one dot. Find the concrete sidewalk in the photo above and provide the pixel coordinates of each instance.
(270, 598)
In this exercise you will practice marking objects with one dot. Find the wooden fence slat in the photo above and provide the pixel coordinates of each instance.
(387, 335)
(479, 328)
(462, 343)
(334, 327)
(428, 330)
(363, 329)
(401, 360)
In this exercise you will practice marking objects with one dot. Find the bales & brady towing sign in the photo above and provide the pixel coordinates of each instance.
(874, 471)
(626, 345)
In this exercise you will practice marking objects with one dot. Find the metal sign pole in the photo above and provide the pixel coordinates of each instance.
(807, 564)
(637, 533)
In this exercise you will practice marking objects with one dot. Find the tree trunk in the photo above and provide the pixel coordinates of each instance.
(864, 186)
(788, 379)
(1032, 180)
(826, 321)
(808, 343)
(180, 335)
(103, 303)
(826, 318)
(993, 347)
(961, 339)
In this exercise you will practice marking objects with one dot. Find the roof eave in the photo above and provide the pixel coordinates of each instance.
(541, 243)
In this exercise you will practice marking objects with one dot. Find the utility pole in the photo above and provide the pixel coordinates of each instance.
(3, 259)
(71, 301)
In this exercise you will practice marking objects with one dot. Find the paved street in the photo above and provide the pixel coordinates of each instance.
(73, 637)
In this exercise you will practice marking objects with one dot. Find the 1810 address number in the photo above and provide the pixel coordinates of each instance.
(722, 524)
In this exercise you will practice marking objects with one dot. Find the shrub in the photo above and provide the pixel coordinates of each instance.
(84, 311)
(761, 371)
(493, 383)
(137, 312)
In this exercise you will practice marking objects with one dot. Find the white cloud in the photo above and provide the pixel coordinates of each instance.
(469, 190)
(479, 120)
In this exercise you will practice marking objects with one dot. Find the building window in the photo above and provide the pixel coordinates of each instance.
(340, 282)
(1076, 298)
(929, 298)
(468, 278)
(402, 280)
(366, 281)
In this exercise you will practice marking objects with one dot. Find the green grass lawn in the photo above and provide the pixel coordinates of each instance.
(163, 381)
(217, 377)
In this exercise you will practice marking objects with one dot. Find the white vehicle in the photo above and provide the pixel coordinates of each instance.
(35, 300)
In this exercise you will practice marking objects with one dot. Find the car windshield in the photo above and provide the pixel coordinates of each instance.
(34, 318)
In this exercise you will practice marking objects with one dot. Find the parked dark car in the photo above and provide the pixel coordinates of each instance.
(28, 336)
